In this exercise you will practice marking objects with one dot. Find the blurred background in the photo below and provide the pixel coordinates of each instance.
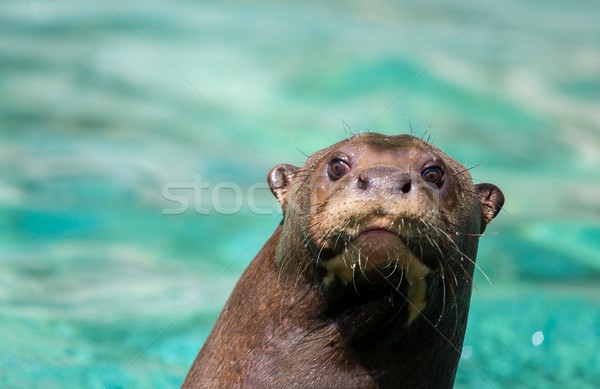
(105, 105)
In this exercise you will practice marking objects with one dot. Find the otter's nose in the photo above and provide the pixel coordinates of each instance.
(384, 178)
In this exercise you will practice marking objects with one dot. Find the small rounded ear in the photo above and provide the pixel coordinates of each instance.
(280, 179)
(492, 200)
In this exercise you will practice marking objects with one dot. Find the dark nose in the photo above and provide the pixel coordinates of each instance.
(384, 178)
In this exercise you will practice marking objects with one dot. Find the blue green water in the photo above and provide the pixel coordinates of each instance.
(104, 103)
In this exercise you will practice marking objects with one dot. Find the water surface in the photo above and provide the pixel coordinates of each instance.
(104, 103)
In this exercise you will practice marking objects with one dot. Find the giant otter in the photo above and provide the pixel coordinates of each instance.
(366, 282)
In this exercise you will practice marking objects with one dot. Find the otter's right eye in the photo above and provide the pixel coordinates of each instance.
(337, 168)
(433, 175)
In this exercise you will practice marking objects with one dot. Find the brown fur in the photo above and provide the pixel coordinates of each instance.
(284, 326)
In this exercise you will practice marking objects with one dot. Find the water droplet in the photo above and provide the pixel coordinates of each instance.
(537, 338)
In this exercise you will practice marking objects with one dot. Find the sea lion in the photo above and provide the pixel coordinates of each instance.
(366, 282)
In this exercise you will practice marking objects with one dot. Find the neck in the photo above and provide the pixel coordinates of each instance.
(276, 333)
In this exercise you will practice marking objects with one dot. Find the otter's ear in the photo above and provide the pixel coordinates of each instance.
(492, 200)
(279, 179)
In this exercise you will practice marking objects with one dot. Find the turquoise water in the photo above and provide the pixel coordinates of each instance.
(105, 103)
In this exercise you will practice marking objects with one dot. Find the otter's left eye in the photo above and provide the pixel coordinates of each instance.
(433, 175)
(337, 168)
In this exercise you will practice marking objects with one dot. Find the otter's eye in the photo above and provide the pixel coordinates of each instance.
(337, 168)
(433, 175)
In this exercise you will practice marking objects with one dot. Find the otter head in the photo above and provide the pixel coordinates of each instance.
(387, 227)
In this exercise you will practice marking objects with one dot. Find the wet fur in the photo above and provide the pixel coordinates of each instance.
(277, 328)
